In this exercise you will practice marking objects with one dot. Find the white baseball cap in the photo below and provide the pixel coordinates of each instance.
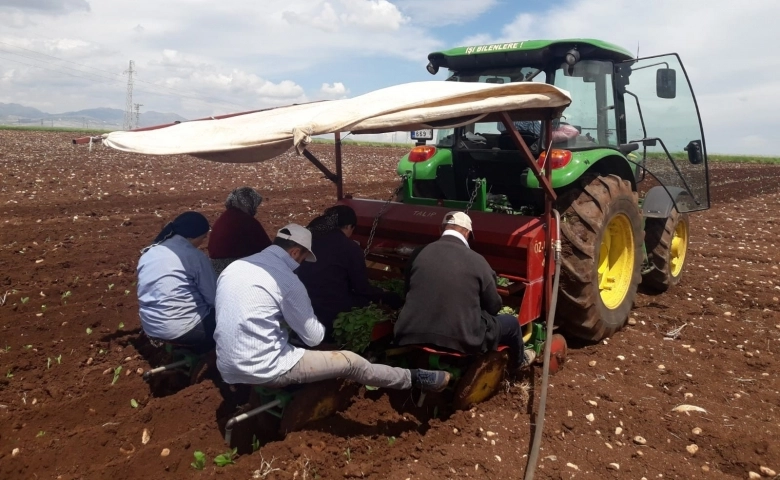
(300, 235)
(458, 218)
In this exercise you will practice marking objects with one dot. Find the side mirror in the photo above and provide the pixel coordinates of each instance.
(695, 155)
(666, 83)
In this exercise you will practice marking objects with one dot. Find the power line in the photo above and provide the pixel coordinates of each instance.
(212, 101)
(173, 90)
(128, 123)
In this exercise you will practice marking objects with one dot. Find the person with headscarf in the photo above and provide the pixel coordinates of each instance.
(177, 286)
(237, 233)
(338, 281)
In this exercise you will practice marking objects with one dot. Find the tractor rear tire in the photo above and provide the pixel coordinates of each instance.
(601, 233)
(666, 241)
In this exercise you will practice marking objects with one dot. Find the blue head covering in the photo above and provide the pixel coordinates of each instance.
(188, 225)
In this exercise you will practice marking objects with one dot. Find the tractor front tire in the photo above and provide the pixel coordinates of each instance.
(666, 240)
(601, 233)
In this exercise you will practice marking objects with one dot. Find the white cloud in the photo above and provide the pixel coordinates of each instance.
(376, 15)
(46, 6)
(436, 13)
(336, 90)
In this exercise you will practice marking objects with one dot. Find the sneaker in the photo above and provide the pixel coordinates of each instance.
(529, 355)
(430, 380)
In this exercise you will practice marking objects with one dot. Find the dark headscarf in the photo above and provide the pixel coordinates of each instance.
(245, 199)
(332, 219)
(187, 225)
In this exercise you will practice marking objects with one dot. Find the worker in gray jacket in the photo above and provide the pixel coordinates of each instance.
(452, 302)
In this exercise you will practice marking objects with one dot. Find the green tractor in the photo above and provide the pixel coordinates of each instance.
(628, 163)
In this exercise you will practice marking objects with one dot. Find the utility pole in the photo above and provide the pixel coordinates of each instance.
(138, 114)
(128, 123)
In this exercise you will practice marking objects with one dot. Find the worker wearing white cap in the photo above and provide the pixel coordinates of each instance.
(256, 295)
(452, 301)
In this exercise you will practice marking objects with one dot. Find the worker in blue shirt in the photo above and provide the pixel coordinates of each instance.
(177, 285)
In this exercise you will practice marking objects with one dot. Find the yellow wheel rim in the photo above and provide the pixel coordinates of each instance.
(678, 249)
(486, 384)
(616, 261)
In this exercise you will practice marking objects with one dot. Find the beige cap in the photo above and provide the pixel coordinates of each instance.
(300, 235)
(458, 218)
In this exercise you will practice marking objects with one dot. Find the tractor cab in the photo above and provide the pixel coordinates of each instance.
(636, 118)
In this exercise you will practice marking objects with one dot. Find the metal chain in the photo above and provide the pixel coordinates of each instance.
(477, 187)
(381, 212)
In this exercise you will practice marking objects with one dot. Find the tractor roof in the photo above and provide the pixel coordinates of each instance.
(532, 53)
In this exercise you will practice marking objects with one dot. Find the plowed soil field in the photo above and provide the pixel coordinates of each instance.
(72, 223)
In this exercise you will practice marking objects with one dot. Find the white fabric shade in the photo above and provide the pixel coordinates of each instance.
(259, 136)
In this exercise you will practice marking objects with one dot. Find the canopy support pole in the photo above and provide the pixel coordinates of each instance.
(339, 178)
(333, 177)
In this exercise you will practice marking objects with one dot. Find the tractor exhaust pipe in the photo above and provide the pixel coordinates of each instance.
(533, 457)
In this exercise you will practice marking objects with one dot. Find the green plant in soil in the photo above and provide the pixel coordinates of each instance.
(509, 310)
(502, 282)
(226, 458)
(117, 371)
(200, 461)
(353, 329)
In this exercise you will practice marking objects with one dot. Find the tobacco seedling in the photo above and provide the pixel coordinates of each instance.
(27, 347)
(348, 454)
(391, 441)
(9, 374)
(25, 300)
(65, 297)
(200, 461)
(502, 282)
(40, 434)
(7, 348)
(226, 458)
(255, 443)
(89, 331)
(59, 359)
(121, 325)
(127, 292)
(133, 403)
(110, 286)
(43, 308)
(353, 329)
(117, 371)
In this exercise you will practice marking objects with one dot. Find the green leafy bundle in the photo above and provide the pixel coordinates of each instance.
(353, 329)
(395, 285)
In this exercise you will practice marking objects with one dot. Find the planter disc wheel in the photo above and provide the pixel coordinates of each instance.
(481, 380)
(601, 230)
(666, 241)
(315, 402)
(558, 351)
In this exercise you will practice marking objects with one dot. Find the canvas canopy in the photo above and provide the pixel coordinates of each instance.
(258, 136)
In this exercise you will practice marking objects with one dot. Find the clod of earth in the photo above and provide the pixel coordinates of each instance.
(640, 440)
(692, 448)
(767, 471)
(145, 436)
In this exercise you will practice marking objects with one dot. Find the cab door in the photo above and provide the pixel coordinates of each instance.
(660, 115)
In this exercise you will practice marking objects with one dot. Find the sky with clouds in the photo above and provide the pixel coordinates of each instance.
(201, 57)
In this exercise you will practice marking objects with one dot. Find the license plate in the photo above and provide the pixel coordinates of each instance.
(426, 134)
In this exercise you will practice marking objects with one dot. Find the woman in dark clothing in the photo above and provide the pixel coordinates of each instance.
(337, 281)
(237, 233)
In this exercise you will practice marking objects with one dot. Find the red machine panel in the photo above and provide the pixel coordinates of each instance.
(513, 245)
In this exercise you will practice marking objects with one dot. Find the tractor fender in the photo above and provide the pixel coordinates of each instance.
(659, 201)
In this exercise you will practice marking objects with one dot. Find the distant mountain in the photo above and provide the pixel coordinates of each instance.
(13, 113)
(14, 109)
